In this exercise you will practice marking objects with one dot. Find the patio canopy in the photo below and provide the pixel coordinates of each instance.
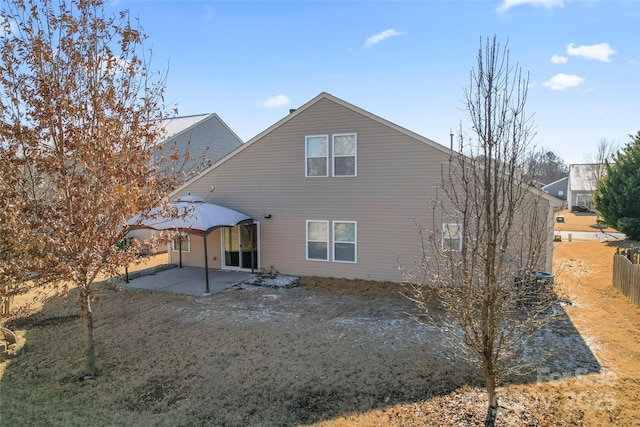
(190, 215)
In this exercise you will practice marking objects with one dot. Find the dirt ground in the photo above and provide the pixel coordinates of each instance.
(578, 222)
(329, 352)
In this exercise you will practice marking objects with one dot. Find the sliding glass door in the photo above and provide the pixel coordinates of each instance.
(241, 246)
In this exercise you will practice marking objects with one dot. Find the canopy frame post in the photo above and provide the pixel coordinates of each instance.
(206, 263)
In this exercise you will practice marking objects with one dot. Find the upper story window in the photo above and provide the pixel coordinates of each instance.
(317, 155)
(342, 151)
(344, 154)
(451, 237)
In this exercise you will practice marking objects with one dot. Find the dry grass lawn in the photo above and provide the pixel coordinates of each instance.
(326, 353)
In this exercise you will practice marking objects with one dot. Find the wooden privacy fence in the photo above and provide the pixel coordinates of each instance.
(626, 273)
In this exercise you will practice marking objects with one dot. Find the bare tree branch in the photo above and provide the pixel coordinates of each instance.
(483, 292)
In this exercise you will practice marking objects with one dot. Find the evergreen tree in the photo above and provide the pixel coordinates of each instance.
(618, 196)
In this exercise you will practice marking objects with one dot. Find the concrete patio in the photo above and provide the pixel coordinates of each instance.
(186, 280)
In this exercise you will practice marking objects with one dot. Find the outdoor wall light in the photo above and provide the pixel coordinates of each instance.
(267, 215)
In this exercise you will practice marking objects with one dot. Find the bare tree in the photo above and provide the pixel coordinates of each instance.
(604, 153)
(79, 108)
(474, 278)
(545, 166)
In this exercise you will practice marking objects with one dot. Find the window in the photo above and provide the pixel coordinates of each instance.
(317, 240)
(186, 243)
(344, 238)
(317, 155)
(344, 241)
(344, 154)
(451, 237)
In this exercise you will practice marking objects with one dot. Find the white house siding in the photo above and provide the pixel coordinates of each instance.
(582, 183)
(398, 178)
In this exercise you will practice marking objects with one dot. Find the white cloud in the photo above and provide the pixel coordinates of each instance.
(599, 52)
(275, 101)
(557, 59)
(377, 38)
(563, 81)
(508, 4)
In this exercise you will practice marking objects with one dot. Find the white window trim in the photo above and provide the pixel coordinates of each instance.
(446, 248)
(186, 243)
(333, 155)
(355, 242)
(306, 249)
(306, 156)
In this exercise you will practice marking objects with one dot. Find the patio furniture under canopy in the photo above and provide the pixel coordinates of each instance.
(190, 215)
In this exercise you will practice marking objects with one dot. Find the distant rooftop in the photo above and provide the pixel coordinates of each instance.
(176, 125)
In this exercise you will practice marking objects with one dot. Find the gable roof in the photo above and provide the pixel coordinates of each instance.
(300, 110)
(177, 125)
(558, 181)
(326, 96)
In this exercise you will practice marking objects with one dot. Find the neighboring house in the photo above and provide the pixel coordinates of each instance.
(334, 191)
(582, 184)
(205, 137)
(557, 188)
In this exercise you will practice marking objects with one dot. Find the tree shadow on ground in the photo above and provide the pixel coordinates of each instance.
(624, 244)
(246, 356)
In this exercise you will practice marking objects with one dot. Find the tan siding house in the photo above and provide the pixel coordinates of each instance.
(205, 137)
(334, 191)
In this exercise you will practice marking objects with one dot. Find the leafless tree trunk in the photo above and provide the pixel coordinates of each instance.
(87, 321)
(479, 264)
(604, 153)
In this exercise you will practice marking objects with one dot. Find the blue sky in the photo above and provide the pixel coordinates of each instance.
(408, 62)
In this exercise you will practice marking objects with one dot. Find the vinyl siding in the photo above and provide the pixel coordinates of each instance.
(207, 140)
(556, 187)
(196, 254)
(398, 179)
